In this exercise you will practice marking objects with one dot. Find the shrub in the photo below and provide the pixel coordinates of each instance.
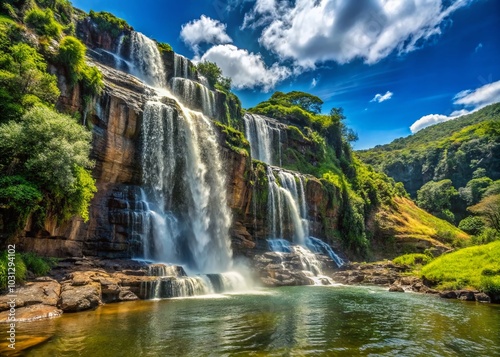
(43, 22)
(164, 47)
(37, 265)
(20, 267)
(471, 225)
(107, 22)
(72, 56)
(92, 82)
(413, 259)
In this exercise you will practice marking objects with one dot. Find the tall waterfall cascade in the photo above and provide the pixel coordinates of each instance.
(180, 213)
(288, 224)
(265, 137)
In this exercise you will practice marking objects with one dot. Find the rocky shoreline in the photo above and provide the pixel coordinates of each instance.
(79, 284)
(397, 279)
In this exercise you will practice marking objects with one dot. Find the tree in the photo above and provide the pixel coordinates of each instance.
(310, 103)
(210, 71)
(435, 197)
(475, 189)
(51, 151)
(489, 209)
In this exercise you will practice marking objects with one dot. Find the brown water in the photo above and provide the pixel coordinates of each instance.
(295, 321)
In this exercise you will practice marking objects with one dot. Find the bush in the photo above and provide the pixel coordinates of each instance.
(92, 82)
(37, 265)
(164, 47)
(471, 225)
(72, 56)
(107, 22)
(43, 22)
(20, 267)
(413, 259)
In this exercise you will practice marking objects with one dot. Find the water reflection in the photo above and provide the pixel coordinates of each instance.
(298, 321)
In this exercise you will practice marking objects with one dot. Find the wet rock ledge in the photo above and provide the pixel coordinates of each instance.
(77, 284)
(396, 278)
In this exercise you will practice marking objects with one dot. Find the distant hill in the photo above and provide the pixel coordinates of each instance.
(459, 150)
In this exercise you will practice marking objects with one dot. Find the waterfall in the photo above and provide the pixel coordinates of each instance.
(181, 66)
(184, 184)
(286, 205)
(148, 64)
(264, 138)
(171, 281)
(318, 246)
(180, 152)
(194, 95)
(294, 257)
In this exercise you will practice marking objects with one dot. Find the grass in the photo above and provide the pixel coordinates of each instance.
(476, 267)
(407, 221)
(6, 20)
(413, 260)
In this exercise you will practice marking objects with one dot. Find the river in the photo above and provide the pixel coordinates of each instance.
(292, 321)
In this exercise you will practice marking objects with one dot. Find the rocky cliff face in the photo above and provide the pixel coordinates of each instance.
(115, 118)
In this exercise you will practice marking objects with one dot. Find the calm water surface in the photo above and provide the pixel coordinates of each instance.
(295, 321)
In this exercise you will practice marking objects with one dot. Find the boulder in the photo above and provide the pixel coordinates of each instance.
(396, 288)
(32, 313)
(448, 294)
(43, 292)
(80, 297)
(482, 297)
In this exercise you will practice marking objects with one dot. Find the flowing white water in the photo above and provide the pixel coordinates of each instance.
(148, 64)
(285, 205)
(180, 161)
(264, 138)
(310, 265)
(181, 66)
(194, 95)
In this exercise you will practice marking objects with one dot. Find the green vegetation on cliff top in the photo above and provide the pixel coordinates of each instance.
(44, 154)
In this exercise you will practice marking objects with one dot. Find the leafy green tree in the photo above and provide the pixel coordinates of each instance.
(310, 103)
(474, 190)
(436, 197)
(471, 225)
(493, 189)
(489, 209)
(50, 150)
(210, 71)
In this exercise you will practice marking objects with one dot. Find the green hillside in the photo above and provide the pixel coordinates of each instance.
(447, 167)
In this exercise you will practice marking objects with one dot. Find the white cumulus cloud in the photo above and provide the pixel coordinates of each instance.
(382, 97)
(246, 69)
(310, 32)
(472, 100)
(204, 30)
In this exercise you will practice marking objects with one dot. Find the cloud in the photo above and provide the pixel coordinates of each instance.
(311, 32)
(204, 30)
(473, 99)
(478, 47)
(481, 97)
(246, 69)
(382, 98)
(314, 82)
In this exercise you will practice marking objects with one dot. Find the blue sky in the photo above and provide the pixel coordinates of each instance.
(391, 64)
